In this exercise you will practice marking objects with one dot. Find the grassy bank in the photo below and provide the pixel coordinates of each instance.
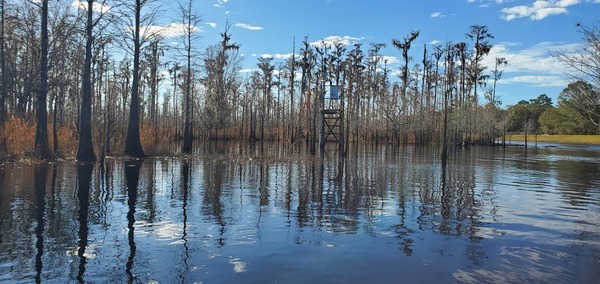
(567, 139)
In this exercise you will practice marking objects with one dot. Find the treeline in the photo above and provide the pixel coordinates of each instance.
(572, 115)
(77, 80)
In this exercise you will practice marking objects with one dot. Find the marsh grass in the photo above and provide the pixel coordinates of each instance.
(567, 139)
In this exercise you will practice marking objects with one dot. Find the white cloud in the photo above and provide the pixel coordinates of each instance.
(390, 59)
(248, 70)
(277, 56)
(536, 80)
(434, 42)
(566, 3)
(170, 30)
(533, 65)
(248, 27)
(437, 15)
(96, 7)
(212, 25)
(536, 59)
(220, 3)
(331, 40)
(539, 10)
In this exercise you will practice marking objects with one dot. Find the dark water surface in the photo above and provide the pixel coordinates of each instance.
(233, 215)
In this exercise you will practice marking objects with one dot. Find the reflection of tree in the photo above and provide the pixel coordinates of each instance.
(264, 185)
(2, 185)
(576, 179)
(132, 176)
(212, 205)
(185, 177)
(84, 178)
(317, 189)
(303, 213)
(106, 176)
(150, 204)
(40, 174)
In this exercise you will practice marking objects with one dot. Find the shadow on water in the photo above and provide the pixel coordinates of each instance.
(84, 180)
(132, 176)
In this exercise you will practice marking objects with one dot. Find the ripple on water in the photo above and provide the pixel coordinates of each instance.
(521, 265)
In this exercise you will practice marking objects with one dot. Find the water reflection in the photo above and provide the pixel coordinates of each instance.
(233, 215)
(2, 203)
(84, 178)
(40, 175)
(132, 176)
(185, 183)
(213, 174)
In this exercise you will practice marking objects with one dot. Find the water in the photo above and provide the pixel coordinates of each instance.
(234, 215)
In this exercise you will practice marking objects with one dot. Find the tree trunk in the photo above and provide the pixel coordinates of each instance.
(55, 125)
(187, 133)
(41, 131)
(3, 91)
(133, 145)
(85, 153)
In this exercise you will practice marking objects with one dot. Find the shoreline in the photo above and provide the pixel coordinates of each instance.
(563, 139)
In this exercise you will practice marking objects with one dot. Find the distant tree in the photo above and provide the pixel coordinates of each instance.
(291, 66)
(190, 22)
(306, 63)
(267, 68)
(404, 47)
(497, 73)
(462, 53)
(221, 65)
(479, 35)
(565, 120)
(524, 116)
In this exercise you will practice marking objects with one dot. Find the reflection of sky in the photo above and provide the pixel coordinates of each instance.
(493, 217)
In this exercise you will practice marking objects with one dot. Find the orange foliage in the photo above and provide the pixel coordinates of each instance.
(18, 137)
(67, 140)
(160, 143)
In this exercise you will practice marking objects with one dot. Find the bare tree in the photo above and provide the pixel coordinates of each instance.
(132, 29)
(497, 73)
(267, 68)
(190, 24)
(221, 65)
(4, 78)
(585, 73)
(479, 35)
(85, 152)
(41, 131)
(404, 47)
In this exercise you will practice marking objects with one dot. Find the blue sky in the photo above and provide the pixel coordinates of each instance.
(524, 31)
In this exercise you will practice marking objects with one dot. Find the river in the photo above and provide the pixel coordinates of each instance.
(242, 214)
